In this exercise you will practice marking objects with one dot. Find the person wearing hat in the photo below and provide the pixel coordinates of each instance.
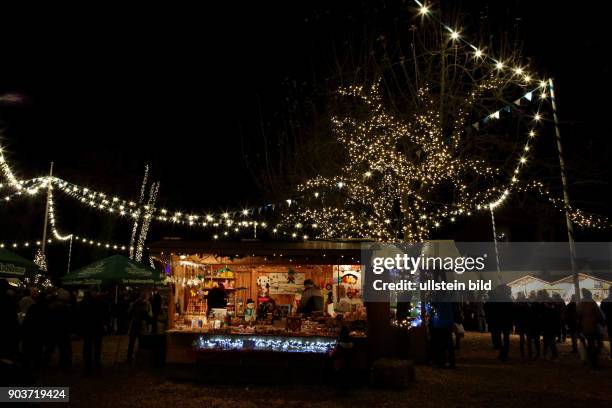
(311, 300)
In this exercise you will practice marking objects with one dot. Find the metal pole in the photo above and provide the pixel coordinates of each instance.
(499, 277)
(69, 255)
(566, 202)
(44, 237)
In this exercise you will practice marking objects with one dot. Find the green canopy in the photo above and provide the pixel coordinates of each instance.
(116, 269)
(15, 266)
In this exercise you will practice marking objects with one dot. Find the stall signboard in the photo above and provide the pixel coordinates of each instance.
(286, 283)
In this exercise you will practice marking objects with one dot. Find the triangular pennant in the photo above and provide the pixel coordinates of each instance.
(529, 95)
(518, 102)
(476, 125)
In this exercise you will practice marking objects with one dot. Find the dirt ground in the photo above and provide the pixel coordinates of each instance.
(479, 380)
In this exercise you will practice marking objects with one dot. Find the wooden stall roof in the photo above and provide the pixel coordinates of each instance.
(314, 252)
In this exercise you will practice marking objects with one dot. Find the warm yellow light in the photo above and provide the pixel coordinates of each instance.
(478, 54)
(454, 35)
(518, 71)
(423, 10)
(537, 117)
(499, 65)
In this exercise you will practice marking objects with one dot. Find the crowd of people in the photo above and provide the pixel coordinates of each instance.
(540, 320)
(38, 323)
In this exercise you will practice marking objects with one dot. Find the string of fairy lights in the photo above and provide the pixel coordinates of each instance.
(361, 200)
(226, 220)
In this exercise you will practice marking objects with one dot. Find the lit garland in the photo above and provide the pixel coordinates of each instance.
(8, 173)
(288, 345)
(146, 222)
(78, 239)
(143, 188)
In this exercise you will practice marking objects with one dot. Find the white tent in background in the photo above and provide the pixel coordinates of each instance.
(526, 284)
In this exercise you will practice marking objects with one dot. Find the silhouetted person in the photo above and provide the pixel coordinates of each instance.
(311, 300)
(459, 318)
(59, 324)
(534, 326)
(606, 308)
(442, 323)
(492, 323)
(156, 308)
(589, 318)
(521, 320)
(34, 331)
(550, 326)
(571, 320)
(139, 315)
(9, 323)
(503, 315)
(217, 298)
(562, 310)
(93, 316)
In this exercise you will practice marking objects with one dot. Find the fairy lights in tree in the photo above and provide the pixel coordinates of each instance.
(8, 173)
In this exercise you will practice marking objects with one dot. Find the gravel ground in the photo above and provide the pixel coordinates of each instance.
(479, 380)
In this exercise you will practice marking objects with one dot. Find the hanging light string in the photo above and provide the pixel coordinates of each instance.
(128, 208)
(227, 220)
(79, 240)
(8, 174)
(478, 52)
(485, 201)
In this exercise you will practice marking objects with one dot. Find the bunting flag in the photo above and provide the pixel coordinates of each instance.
(508, 108)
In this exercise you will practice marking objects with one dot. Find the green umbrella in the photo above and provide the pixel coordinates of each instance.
(15, 266)
(116, 269)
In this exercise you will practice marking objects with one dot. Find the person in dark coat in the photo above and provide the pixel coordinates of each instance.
(550, 328)
(534, 323)
(156, 309)
(442, 322)
(590, 318)
(33, 332)
(491, 318)
(571, 320)
(606, 308)
(311, 300)
(139, 315)
(58, 328)
(503, 308)
(9, 322)
(521, 320)
(93, 317)
(217, 298)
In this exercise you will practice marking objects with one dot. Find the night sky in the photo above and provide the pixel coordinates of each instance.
(190, 90)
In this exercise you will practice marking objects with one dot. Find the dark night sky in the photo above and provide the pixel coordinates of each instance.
(109, 88)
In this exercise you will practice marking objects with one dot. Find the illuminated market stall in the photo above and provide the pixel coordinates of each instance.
(239, 303)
